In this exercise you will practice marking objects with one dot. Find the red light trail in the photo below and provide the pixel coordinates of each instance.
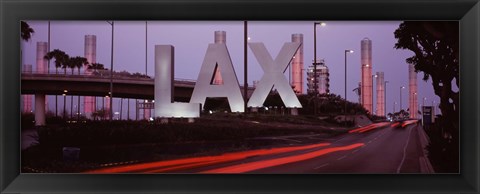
(369, 127)
(247, 167)
(186, 163)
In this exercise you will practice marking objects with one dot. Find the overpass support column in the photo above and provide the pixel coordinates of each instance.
(294, 111)
(39, 109)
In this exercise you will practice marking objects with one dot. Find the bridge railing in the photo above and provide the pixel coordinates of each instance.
(100, 74)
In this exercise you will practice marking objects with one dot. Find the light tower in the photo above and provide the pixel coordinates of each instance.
(380, 94)
(297, 65)
(220, 37)
(90, 51)
(27, 98)
(412, 93)
(366, 68)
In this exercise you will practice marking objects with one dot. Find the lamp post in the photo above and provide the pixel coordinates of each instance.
(346, 51)
(64, 103)
(373, 76)
(111, 74)
(401, 87)
(245, 62)
(394, 104)
(315, 64)
(146, 56)
(385, 97)
(146, 47)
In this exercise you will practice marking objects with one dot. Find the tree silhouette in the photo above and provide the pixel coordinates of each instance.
(26, 31)
(96, 66)
(61, 59)
(77, 62)
(436, 47)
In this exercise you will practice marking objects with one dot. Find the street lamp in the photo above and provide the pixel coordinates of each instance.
(315, 63)
(373, 76)
(64, 103)
(346, 51)
(394, 105)
(401, 87)
(385, 97)
(146, 47)
(245, 65)
(111, 73)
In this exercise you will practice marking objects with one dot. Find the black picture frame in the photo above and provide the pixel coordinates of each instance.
(13, 11)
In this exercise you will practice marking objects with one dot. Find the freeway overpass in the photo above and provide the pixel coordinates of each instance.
(97, 85)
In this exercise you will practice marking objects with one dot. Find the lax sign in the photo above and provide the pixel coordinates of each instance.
(217, 56)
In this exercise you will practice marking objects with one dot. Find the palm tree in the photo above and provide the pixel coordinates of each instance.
(96, 66)
(61, 59)
(78, 62)
(27, 31)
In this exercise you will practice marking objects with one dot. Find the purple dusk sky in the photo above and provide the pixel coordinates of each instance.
(191, 39)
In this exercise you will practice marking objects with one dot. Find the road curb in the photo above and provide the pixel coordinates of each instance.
(425, 165)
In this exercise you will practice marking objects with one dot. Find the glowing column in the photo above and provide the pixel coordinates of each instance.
(380, 94)
(42, 63)
(91, 54)
(297, 65)
(27, 99)
(147, 112)
(90, 51)
(220, 37)
(412, 93)
(366, 62)
(27, 103)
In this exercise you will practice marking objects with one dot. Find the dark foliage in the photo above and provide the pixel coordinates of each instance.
(26, 31)
(443, 150)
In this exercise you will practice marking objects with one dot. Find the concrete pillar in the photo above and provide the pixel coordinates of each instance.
(294, 111)
(42, 63)
(39, 109)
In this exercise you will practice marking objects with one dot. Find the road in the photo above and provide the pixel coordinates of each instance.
(377, 148)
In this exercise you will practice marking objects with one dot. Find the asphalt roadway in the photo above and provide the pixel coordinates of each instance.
(380, 148)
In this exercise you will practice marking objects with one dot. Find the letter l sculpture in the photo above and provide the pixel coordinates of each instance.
(164, 79)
